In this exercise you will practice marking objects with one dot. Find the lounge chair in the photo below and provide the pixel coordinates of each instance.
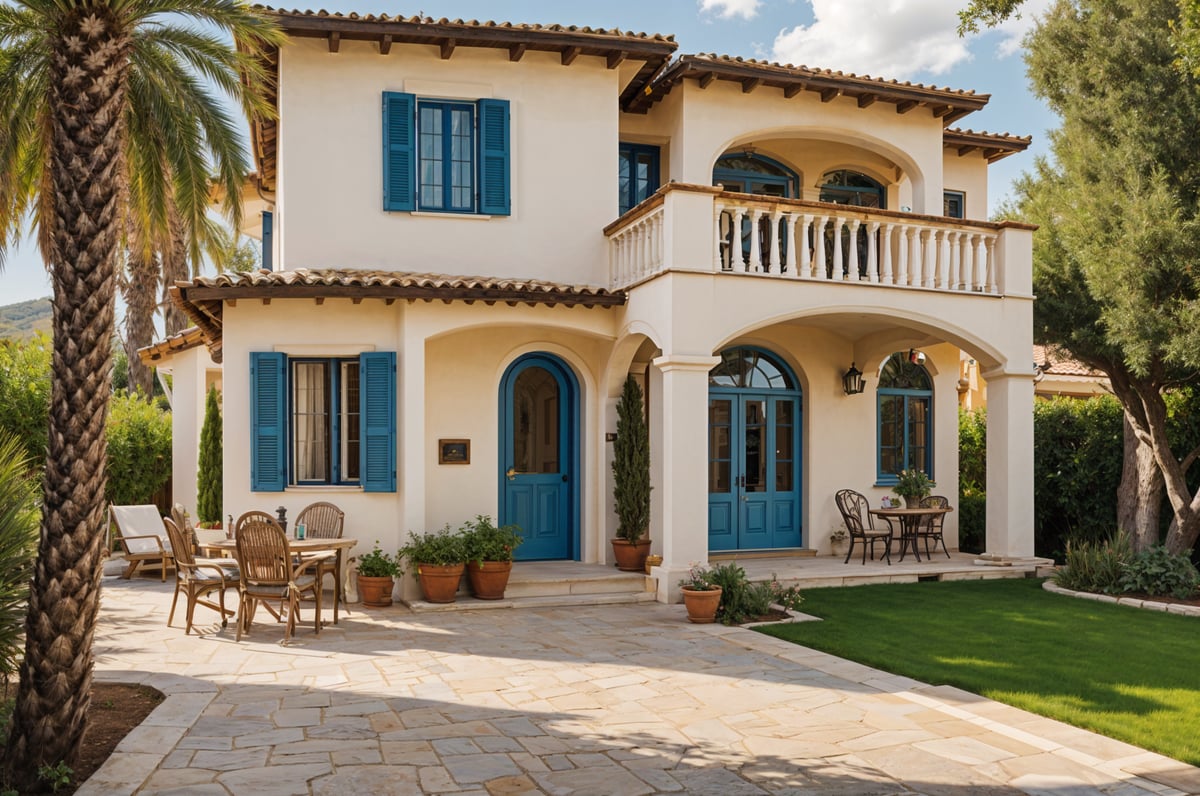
(143, 537)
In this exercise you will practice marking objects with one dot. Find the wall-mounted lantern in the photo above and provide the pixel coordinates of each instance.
(853, 382)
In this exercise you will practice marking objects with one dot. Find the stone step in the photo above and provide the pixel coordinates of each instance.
(466, 603)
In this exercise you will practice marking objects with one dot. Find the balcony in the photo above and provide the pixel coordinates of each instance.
(704, 229)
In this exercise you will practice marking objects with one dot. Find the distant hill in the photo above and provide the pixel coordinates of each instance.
(24, 319)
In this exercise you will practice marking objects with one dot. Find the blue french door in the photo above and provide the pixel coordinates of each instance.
(753, 471)
(538, 456)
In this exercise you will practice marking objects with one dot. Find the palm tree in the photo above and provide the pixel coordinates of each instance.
(104, 111)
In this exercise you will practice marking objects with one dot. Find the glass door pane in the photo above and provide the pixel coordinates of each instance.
(784, 444)
(755, 445)
(720, 446)
(535, 422)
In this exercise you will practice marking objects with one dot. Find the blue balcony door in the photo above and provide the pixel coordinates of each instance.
(539, 422)
(753, 454)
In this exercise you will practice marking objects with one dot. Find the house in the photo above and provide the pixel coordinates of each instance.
(1056, 376)
(474, 232)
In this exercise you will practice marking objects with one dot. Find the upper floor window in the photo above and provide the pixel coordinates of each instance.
(446, 156)
(746, 172)
(845, 187)
(905, 401)
(637, 175)
(954, 204)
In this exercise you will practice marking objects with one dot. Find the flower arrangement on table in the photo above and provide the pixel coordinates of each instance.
(912, 485)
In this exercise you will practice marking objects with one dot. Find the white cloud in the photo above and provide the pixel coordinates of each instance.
(883, 38)
(1014, 29)
(727, 9)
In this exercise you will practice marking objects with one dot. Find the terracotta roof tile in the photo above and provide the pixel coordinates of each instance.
(1053, 362)
(182, 341)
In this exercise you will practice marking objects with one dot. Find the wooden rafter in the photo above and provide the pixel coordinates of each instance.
(385, 44)
(447, 48)
(828, 94)
(616, 59)
(516, 52)
(706, 79)
(569, 54)
(750, 83)
(335, 41)
(906, 106)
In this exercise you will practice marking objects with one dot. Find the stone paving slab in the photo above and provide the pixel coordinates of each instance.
(617, 699)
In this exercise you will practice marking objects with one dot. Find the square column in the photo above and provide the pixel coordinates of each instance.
(1009, 469)
(683, 444)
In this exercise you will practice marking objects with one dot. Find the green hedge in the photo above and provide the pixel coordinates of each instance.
(139, 449)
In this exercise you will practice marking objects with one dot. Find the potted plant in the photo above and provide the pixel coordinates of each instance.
(376, 577)
(837, 541)
(701, 596)
(489, 552)
(438, 560)
(912, 485)
(631, 481)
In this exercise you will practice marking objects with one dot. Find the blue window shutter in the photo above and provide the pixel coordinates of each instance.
(268, 239)
(399, 151)
(268, 421)
(494, 138)
(377, 398)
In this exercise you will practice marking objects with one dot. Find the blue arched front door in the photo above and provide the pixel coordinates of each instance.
(539, 455)
(754, 406)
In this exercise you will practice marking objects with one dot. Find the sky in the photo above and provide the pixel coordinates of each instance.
(912, 40)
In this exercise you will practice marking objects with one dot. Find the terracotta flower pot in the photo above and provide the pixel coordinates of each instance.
(376, 592)
(488, 579)
(702, 605)
(631, 556)
(912, 501)
(439, 584)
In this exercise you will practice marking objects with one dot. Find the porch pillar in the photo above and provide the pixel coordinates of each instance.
(1009, 469)
(683, 441)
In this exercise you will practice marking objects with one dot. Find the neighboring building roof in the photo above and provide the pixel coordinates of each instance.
(945, 103)
(615, 46)
(203, 298)
(163, 349)
(993, 145)
(1051, 362)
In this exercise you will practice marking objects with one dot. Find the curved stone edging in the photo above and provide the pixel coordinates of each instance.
(1133, 602)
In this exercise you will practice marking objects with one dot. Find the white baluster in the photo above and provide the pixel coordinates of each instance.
(790, 263)
(717, 261)
(872, 253)
(819, 245)
(902, 249)
(992, 265)
(839, 261)
(943, 277)
(774, 266)
(805, 269)
(852, 255)
(930, 259)
(755, 264)
(980, 283)
(914, 258)
(737, 254)
(956, 268)
(887, 277)
(622, 256)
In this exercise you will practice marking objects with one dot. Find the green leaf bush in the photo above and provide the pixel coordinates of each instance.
(1096, 566)
(25, 394)
(139, 450)
(483, 541)
(378, 564)
(1158, 572)
(441, 548)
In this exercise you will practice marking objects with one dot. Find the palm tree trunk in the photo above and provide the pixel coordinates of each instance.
(141, 294)
(175, 269)
(88, 74)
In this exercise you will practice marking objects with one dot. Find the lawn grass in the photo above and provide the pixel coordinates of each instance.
(1127, 673)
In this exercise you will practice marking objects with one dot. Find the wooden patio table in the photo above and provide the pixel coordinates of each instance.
(307, 546)
(910, 521)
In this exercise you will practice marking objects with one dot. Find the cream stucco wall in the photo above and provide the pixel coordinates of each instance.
(968, 174)
(564, 160)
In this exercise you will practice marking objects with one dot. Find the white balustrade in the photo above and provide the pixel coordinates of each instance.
(801, 240)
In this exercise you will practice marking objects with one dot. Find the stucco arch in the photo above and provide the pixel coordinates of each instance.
(879, 146)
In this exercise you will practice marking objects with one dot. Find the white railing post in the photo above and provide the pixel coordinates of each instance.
(718, 263)
(887, 277)
(980, 281)
(774, 265)
(872, 253)
(819, 245)
(790, 263)
(805, 256)
(991, 286)
(943, 276)
(736, 253)
(839, 263)
(755, 265)
(930, 258)
(902, 249)
(852, 255)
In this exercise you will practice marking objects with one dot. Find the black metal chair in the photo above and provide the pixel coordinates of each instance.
(931, 527)
(854, 507)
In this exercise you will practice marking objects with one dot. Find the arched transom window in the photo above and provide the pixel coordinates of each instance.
(845, 187)
(748, 368)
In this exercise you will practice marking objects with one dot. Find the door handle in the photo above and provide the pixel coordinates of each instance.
(511, 473)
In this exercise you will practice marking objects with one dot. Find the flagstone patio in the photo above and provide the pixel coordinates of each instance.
(617, 699)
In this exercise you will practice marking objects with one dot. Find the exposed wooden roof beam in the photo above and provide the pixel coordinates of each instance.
(866, 100)
(990, 154)
(943, 110)
(385, 44)
(516, 52)
(447, 47)
(966, 150)
(569, 54)
(906, 106)
(335, 41)
(706, 79)
(792, 90)
(615, 59)
(827, 94)
(751, 83)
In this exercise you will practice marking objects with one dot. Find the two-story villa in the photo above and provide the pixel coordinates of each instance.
(473, 232)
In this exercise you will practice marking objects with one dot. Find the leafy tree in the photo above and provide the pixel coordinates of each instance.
(105, 110)
(208, 487)
(139, 449)
(1119, 216)
(25, 394)
(631, 465)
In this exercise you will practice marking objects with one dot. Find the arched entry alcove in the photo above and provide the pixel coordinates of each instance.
(754, 452)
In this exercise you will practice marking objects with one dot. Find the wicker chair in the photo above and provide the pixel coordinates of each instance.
(268, 573)
(198, 578)
(324, 520)
(854, 507)
(931, 528)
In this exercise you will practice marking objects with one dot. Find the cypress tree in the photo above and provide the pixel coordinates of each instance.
(631, 465)
(208, 481)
